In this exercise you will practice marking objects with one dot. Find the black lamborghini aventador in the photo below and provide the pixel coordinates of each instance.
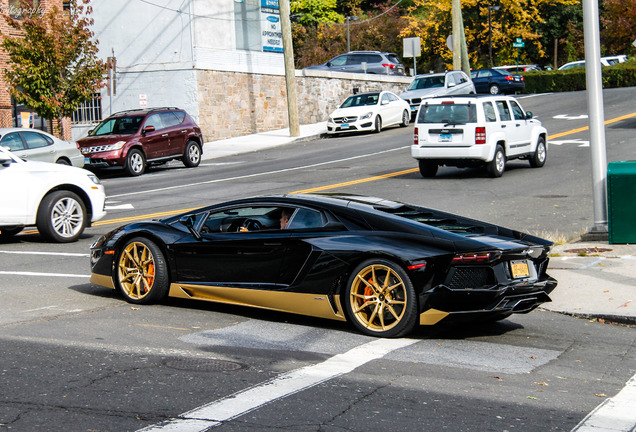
(384, 266)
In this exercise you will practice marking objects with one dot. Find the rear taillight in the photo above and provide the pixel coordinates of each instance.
(416, 136)
(389, 65)
(480, 135)
(509, 78)
(474, 257)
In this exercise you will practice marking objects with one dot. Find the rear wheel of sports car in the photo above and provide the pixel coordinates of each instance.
(380, 299)
(135, 163)
(538, 158)
(142, 272)
(406, 118)
(61, 217)
(497, 165)
(192, 155)
(378, 123)
(428, 168)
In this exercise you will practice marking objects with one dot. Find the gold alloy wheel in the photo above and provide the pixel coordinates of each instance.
(378, 297)
(136, 270)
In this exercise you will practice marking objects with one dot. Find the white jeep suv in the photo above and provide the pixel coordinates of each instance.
(471, 131)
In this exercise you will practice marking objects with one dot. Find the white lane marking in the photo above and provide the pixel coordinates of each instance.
(118, 207)
(84, 255)
(615, 414)
(580, 142)
(254, 175)
(228, 408)
(570, 117)
(16, 273)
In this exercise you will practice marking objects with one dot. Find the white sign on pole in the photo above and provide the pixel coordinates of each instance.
(411, 47)
(143, 100)
(449, 42)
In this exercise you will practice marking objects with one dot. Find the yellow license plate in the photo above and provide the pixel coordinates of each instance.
(519, 269)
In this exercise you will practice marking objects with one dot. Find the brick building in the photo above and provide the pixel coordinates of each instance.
(12, 114)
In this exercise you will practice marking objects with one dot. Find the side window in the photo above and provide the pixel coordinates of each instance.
(485, 74)
(450, 79)
(36, 140)
(372, 58)
(489, 112)
(354, 59)
(180, 115)
(392, 97)
(12, 141)
(504, 111)
(305, 218)
(169, 119)
(385, 98)
(462, 78)
(339, 61)
(517, 111)
(154, 120)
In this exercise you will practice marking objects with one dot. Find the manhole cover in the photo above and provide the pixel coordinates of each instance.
(205, 365)
(593, 250)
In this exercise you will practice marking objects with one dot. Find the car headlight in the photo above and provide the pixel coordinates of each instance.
(116, 146)
(94, 178)
(366, 116)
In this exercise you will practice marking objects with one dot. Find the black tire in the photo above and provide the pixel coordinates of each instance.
(406, 118)
(141, 272)
(494, 89)
(7, 233)
(540, 155)
(497, 165)
(63, 161)
(378, 124)
(192, 155)
(380, 299)
(135, 163)
(61, 217)
(428, 168)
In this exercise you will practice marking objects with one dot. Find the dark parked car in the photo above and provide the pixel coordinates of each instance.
(373, 62)
(495, 81)
(136, 138)
(383, 266)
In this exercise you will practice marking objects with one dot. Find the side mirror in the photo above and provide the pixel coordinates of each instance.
(188, 222)
(328, 64)
(384, 102)
(529, 115)
(5, 160)
(451, 85)
(90, 131)
(149, 128)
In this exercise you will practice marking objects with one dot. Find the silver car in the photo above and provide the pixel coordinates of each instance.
(436, 84)
(33, 144)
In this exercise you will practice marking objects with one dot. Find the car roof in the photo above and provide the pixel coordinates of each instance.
(143, 111)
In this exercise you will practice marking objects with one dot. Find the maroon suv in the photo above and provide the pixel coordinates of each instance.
(133, 139)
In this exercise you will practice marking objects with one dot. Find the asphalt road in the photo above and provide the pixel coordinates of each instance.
(76, 357)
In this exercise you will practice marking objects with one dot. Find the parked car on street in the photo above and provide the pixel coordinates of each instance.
(383, 266)
(372, 62)
(371, 111)
(519, 68)
(60, 200)
(436, 84)
(605, 61)
(33, 144)
(473, 131)
(496, 81)
(137, 138)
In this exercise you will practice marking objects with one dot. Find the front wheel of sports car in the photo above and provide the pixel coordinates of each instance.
(380, 299)
(142, 273)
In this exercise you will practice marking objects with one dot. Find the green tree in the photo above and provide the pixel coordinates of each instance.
(315, 12)
(53, 62)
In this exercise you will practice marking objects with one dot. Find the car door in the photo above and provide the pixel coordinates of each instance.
(389, 110)
(176, 134)
(511, 128)
(523, 128)
(38, 147)
(14, 143)
(14, 199)
(156, 143)
(481, 80)
(338, 63)
(227, 255)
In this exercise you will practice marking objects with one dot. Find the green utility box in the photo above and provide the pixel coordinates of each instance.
(621, 201)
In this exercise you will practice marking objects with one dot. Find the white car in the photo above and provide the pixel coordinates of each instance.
(60, 200)
(472, 131)
(33, 144)
(605, 61)
(436, 84)
(369, 112)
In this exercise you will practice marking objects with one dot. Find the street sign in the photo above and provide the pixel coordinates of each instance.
(518, 43)
(412, 47)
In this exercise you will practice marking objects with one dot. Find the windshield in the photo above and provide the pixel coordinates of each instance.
(118, 126)
(447, 113)
(427, 82)
(361, 100)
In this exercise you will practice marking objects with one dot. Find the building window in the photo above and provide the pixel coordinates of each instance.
(22, 8)
(89, 112)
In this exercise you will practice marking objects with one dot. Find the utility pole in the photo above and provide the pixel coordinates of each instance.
(290, 70)
(457, 57)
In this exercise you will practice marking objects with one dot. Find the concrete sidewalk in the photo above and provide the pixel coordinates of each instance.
(596, 280)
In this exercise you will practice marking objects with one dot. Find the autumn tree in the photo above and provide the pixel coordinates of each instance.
(53, 62)
(619, 26)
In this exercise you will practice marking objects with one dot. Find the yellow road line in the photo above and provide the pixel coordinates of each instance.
(333, 186)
